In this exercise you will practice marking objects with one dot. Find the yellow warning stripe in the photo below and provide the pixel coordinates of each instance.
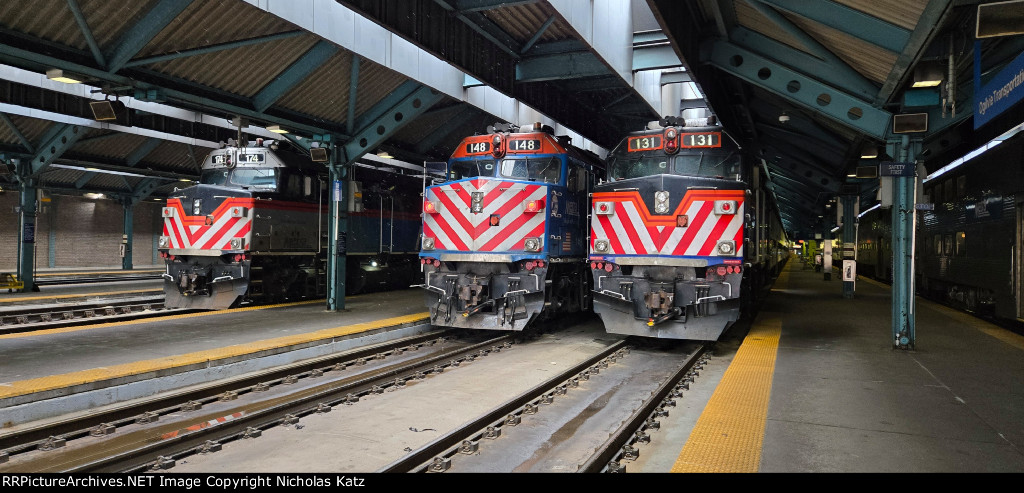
(76, 273)
(84, 295)
(77, 328)
(730, 432)
(43, 384)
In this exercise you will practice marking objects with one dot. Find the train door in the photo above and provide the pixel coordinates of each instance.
(1018, 261)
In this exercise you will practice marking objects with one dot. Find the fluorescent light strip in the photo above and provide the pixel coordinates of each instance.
(99, 170)
(869, 210)
(975, 153)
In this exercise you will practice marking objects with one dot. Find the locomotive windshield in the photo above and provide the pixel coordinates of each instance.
(254, 178)
(624, 167)
(547, 170)
(470, 168)
(706, 164)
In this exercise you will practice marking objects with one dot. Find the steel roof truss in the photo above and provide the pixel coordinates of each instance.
(295, 73)
(850, 21)
(144, 30)
(799, 88)
(390, 116)
(59, 139)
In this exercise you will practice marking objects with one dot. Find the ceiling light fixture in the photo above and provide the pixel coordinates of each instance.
(927, 74)
(277, 129)
(869, 151)
(385, 155)
(60, 76)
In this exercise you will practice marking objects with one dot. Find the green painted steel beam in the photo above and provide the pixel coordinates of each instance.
(560, 67)
(651, 57)
(801, 89)
(391, 116)
(17, 133)
(83, 26)
(295, 73)
(230, 45)
(59, 139)
(848, 20)
(144, 30)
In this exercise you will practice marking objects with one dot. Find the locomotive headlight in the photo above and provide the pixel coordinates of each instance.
(236, 243)
(726, 248)
(532, 244)
(661, 202)
(197, 206)
(428, 243)
(601, 246)
(164, 242)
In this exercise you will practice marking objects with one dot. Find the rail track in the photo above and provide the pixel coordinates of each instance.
(77, 311)
(153, 434)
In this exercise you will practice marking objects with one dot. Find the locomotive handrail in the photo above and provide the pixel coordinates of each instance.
(611, 293)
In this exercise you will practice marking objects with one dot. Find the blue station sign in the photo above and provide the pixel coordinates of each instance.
(1002, 92)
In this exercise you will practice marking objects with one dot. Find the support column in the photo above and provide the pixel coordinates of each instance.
(27, 231)
(337, 231)
(903, 219)
(849, 238)
(129, 230)
(52, 244)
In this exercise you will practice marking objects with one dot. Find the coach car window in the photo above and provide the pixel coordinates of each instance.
(961, 244)
(471, 168)
(547, 170)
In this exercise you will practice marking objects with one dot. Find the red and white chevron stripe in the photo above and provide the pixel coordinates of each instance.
(455, 228)
(632, 230)
(187, 231)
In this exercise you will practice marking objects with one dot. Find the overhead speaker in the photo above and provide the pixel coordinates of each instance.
(910, 123)
(1000, 19)
(318, 154)
(106, 110)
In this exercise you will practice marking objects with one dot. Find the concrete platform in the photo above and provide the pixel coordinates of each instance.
(843, 400)
(58, 371)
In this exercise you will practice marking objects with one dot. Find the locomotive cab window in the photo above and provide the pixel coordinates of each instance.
(471, 169)
(255, 178)
(547, 170)
(623, 168)
(214, 177)
(707, 164)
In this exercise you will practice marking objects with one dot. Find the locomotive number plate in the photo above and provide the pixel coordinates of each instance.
(251, 158)
(524, 145)
(646, 143)
(478, 147)
(704, 139)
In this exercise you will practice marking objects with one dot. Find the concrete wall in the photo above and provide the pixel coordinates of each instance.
(87, 234)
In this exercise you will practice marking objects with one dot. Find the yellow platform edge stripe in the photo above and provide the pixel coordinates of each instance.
(42, 384)
(729, 433)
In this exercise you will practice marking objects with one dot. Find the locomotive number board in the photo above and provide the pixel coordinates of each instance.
(478, 147)
(524, 145)
(251, 158)
(702, 139)
(645, 143)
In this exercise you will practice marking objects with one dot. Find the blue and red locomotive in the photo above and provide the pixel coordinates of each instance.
(505, 237)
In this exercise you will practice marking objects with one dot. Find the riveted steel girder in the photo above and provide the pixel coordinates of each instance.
(650, 57)
(800, 89)
(391, 115)
(59, 139)
(212, 48)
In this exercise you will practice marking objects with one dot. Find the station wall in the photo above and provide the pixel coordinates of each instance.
(87, 234)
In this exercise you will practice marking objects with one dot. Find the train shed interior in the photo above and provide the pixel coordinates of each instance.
(862, 119)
